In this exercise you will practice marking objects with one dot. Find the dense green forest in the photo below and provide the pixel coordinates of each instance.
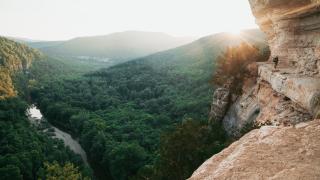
(129, 117)
(25, 152)
(143, 119)
(119, 113)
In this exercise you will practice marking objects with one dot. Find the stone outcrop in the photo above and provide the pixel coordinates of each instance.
(241, 113)
(270, 152)
(283, 102)
(303, 90)
(291, 93)
(260, 106)
(293, 31)
(219, 104)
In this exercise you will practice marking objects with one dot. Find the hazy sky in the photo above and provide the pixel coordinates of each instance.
(65, 19)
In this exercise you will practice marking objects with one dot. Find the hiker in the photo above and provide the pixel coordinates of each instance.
(275, 61)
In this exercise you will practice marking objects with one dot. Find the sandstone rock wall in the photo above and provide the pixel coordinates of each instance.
(283, 102)
(293, 30)
(271, 152)
(293, 33)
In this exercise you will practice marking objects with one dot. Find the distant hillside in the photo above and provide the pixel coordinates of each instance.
(199, 56)
(119, 46)
(13, 57)
(44, 44)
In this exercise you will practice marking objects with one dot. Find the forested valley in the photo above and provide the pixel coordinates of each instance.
(142, 119)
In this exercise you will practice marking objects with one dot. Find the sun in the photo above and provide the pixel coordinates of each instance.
(234, 31)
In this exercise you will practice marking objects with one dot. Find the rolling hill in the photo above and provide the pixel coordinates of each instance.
(116, 47)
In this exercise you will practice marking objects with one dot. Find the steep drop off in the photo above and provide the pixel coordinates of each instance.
(283, 97)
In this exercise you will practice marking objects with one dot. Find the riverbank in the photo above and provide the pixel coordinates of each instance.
(36, 119)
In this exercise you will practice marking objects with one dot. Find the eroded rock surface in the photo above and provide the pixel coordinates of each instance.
(291, 93)
(241, 113)
(283, 102)
(303, 90)
(260, 106)
(270, 152)
(219, 104)
(293, 31)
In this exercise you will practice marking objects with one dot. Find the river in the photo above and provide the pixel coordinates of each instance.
(35, 117)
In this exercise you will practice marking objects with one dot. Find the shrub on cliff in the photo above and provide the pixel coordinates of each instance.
(232, 65)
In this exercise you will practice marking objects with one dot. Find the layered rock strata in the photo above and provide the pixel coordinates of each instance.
(284, 101)
(293, 31)
(292, 91)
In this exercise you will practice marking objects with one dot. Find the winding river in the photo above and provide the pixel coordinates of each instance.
(36, 119)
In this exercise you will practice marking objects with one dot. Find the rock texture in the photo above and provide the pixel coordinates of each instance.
(293, 30)
(241, 113)
(219, 104)
(270, 152)
(303, 90)
(291, 93)
(260, 106)
(282, 102)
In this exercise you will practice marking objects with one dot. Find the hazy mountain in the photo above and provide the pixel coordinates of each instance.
(44, 44)
(201, 54)
(22, 40)
(117, 46)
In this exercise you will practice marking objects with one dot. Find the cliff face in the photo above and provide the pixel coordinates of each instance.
(291, 93)
(284, 101)
(293, 28)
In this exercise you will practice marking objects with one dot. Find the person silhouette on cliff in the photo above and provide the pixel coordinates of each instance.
(275, 61)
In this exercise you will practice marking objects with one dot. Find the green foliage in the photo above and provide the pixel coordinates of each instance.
(186, 148)
(232, 65)
(10, 172)
(23, 149)
(126, 159)
(13, 57)
(54, 171)
(131, 103)
(119, 113)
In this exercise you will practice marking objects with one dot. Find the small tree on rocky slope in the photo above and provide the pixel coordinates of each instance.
(231, 66)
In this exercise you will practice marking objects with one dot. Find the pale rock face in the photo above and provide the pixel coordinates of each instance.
(263, 106)
(303, 90)
(270, 152)
(293, 33)
(293, 30)
(219, 104)
(277, 109)
(283, 102)
(244, 111)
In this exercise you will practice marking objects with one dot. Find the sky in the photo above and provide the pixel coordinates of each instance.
(66, 19)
